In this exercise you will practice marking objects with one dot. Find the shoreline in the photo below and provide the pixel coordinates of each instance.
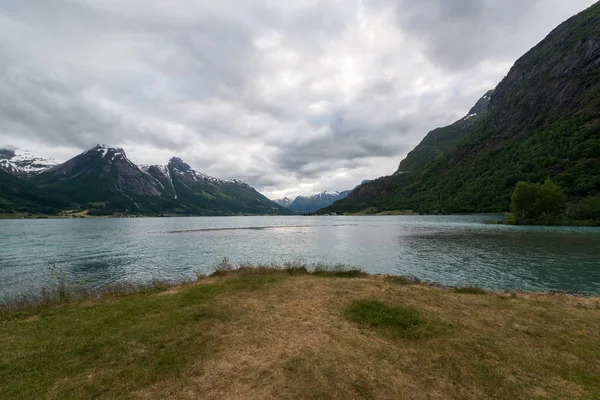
(62, 292)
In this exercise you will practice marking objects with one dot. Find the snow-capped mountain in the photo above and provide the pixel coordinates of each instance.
(205, 194)
(104, 181)
(23, 162)
(309, 204)
(285, 202)
(102, 176)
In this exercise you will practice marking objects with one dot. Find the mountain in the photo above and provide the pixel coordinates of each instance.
(23, 162)
(542, 122)
(285, 202)
(310, 204)
(103, 178)
(440, 141)
(197, 193)
(19, 195)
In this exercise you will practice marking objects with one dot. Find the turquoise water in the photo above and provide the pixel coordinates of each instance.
(451, 250)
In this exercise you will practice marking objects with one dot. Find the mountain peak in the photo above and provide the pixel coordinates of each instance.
(179, 164)
(23, 162)
(106, 150)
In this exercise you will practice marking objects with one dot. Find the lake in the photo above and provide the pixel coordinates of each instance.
(451, 250)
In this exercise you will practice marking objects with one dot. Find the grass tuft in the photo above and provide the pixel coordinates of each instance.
(226, 268)
(223, 268)
(337, 271)
(403, 322)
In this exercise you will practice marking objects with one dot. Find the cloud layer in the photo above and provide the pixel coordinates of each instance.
(291, 97)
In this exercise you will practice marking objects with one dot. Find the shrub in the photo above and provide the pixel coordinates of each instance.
(223, 267)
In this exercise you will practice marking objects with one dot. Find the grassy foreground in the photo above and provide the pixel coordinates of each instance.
(263, 333)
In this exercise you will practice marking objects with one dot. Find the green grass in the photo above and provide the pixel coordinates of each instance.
(403, 322)
(337, 271)
(111, 347)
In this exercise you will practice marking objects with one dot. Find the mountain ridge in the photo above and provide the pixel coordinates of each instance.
(201, 193)
(23, 162)
(542, 122)
(312, 203)
(104, 180)
(441, 140)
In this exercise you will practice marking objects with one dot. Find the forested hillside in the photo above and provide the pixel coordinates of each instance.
(542, 122)
(20, 196)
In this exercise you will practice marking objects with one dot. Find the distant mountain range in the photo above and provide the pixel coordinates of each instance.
(23, 162)
(310, 204)
(541, 122)
(105, 181)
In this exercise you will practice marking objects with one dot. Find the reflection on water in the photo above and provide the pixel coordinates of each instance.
(457, 250)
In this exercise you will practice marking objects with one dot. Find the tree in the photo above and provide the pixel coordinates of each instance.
(537, 203)
(523, 200)
(585, 209)
(550, 200)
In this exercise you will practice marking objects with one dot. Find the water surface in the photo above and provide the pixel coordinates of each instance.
(452, 250)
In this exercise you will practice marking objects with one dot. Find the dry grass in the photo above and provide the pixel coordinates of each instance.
(269, 334)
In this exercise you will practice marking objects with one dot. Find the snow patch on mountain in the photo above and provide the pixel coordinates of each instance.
(9, 167)
(181, 167)
(22, 161)
(312, 203)
(164, 170)
(285, 202)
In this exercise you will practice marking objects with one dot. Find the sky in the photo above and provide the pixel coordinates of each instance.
(292, 97)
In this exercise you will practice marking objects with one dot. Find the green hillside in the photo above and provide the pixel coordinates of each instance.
(543, 122)
(442, 141)
(20, 196)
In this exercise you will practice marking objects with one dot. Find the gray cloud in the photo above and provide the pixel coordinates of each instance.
(459, 33)
(292, 97)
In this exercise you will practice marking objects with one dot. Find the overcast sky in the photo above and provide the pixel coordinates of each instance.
(293, 97)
